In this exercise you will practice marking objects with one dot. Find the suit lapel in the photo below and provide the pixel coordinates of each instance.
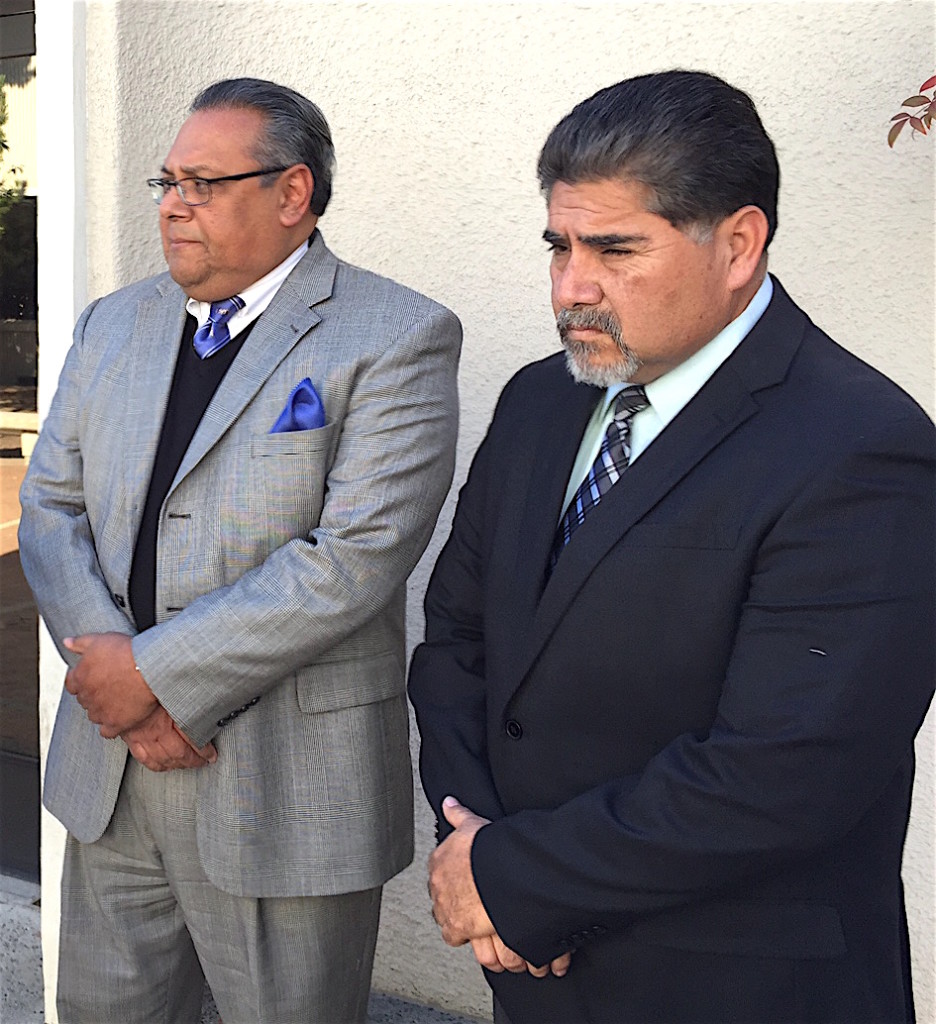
(154, 344)
(543, 485)
(717, 410)
(287, 319)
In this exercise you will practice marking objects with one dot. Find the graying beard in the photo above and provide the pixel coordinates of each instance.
(623, 369)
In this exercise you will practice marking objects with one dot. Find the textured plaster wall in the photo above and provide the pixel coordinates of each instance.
(438, 111)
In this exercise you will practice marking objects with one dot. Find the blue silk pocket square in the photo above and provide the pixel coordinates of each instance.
(303, 410)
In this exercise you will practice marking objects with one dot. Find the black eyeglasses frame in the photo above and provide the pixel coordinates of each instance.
(164, 184)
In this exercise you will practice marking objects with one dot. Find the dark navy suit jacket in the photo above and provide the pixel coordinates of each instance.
(695, 740)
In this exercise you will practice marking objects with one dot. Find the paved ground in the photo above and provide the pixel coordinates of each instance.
(20, 957)
(21, 996)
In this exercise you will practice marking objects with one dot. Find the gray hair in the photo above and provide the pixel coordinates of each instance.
(695, 142)
(296, 131)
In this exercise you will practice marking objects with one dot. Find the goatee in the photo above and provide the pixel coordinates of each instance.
(578, 353)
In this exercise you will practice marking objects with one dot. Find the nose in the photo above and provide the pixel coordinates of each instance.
(575, 282)
(172, 205)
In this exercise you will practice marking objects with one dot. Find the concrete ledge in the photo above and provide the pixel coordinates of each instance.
(19, 422)
(26, 424)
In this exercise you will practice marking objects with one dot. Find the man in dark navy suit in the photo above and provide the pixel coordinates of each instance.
(680, 639)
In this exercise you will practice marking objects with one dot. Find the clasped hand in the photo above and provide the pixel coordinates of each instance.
(457, 906)
(107, 684)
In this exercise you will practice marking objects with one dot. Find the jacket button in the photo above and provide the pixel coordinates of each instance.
(514, 731)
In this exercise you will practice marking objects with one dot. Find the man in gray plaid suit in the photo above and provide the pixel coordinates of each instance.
(244, 461)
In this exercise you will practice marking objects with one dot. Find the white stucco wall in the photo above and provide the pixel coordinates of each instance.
(438, 111)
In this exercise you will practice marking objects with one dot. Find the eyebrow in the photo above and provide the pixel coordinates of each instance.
(191, 171)
(595, 241)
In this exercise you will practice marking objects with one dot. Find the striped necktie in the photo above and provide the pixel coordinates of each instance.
(214, 333)
(610, 462)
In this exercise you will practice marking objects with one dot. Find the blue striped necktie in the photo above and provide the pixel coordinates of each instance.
(214, 333)
(610, 462)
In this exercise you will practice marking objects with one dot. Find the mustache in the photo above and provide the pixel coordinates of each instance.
(570, 319)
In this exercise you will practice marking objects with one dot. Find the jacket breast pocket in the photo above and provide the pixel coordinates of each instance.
(287, 477)
(292, 442)
(695, 535)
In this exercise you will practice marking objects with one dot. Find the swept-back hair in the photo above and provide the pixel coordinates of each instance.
(695, 142)
(296, 131)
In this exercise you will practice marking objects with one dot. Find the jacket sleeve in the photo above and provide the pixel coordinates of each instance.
(391, 472)
(447, 676)
(57, 547)
(829, 679)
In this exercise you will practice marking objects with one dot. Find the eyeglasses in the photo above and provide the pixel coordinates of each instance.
(197, 191)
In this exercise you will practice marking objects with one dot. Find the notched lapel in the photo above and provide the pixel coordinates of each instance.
(547, 475)
(154, 347)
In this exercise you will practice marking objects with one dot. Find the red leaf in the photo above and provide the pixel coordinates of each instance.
(928, 120)
(928, 84)
(902, 116)
(894, 132)
(918, 125)
(916, 101)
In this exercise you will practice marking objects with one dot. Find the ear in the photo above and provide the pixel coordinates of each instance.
(745, 233)
(296, 185)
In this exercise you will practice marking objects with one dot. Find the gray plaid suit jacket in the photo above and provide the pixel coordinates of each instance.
(281, 565)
